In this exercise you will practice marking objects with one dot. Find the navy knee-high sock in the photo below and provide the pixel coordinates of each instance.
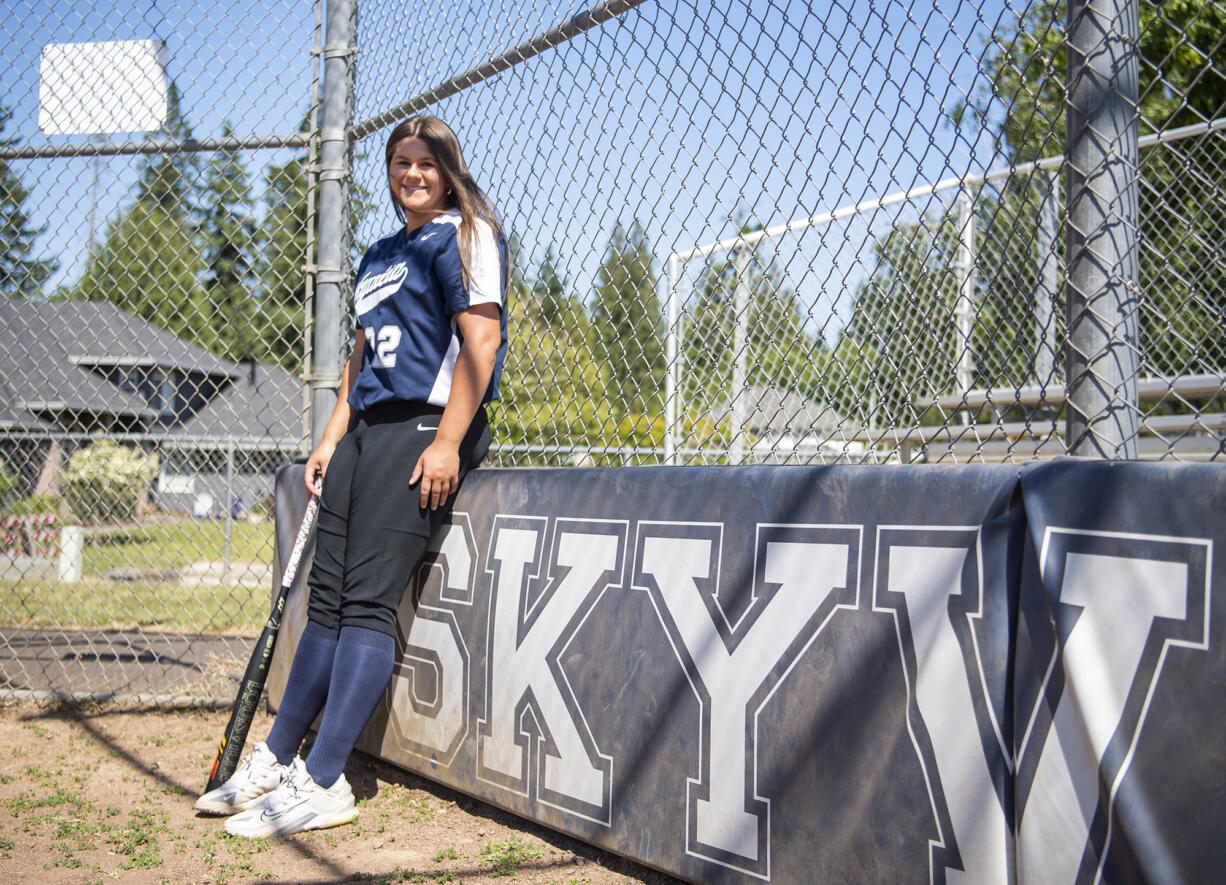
(305, 690)
(363, 665)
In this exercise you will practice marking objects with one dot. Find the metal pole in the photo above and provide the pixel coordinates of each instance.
(229, 530)
(93, 198)
(312, 206)
(1102, 228)
(965, 311)
(555, 36)
(740, 354)
(334, 173)
(1049, 279)
(670, 365)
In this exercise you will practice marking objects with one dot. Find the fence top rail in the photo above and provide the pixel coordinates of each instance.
(165, 441)
(1039, 430)
(1190, 386)
(964, 181)
(556, 35)
(154, 146)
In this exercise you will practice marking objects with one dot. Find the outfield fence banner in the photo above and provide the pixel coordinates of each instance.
(749, 232)
(839, 674)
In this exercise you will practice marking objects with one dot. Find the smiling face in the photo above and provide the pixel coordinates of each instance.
(417, 182)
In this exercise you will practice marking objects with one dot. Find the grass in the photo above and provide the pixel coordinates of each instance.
(148, 552)
(72, 825)
(506, 857)
(116, 605)
(171, 545)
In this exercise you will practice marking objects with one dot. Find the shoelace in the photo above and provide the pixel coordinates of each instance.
(248, 761)
(289, 783)
(286, 792)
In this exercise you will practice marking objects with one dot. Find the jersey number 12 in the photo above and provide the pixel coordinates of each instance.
(384, 344)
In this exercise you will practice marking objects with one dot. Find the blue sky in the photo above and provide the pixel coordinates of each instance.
(247, 63)
(681, 120)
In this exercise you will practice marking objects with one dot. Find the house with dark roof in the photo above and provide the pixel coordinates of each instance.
(70, 370)
(785, 427)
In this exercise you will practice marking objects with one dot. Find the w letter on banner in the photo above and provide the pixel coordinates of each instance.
(1120, 602)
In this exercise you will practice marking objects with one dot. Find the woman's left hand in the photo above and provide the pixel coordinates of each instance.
(438, 470)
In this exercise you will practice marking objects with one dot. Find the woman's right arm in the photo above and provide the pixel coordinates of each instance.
(338, 422)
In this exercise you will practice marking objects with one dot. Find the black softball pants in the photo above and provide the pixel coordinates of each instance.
(371, 531)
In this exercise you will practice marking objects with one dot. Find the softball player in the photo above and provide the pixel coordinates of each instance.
(428, 355)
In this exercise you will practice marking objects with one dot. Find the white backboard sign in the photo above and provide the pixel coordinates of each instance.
(90, 88)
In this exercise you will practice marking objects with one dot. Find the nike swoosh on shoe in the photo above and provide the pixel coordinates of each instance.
(271, 815)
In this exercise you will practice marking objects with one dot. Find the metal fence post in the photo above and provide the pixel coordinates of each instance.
(670, 364)
(965, 311)
(229, 515)
(334, 210)
(1049, 280)
(740, 354)
(1102, 228)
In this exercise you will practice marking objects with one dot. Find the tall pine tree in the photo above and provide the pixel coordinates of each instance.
(283, 245)
(150, 264)
(21, 275)
(169, 180)
(227, 233)
(778, 351)
(552, 386)
(549, 289)
(629, 324)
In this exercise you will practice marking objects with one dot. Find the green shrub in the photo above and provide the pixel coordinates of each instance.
(103, 482)
(34, 504)
(8, 482)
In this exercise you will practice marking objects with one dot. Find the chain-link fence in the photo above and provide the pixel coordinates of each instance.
(872, 233)
(156, 302)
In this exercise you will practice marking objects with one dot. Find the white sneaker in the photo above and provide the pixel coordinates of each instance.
(297, 804)
(258, 774)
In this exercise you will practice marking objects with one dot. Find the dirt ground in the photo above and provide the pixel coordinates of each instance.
(105, 795)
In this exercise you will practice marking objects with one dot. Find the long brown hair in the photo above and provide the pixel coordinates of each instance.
(463, 192)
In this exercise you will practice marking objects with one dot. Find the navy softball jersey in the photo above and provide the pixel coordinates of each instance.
(409, 288)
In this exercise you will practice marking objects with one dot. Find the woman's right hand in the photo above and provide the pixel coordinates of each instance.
(316, 466)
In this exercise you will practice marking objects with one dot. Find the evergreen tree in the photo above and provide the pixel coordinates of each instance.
(779, 351)
(518, 290)
(629, 324)
(149, 263)
(282, 253)
(903, 324)
(227, 233)
(549, 289)
(169, 180)
(551, 384)
(283, 236)
(283, 245)
(21, 275)
(519, 320)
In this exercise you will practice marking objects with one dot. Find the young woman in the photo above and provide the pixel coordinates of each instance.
(408, 425)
